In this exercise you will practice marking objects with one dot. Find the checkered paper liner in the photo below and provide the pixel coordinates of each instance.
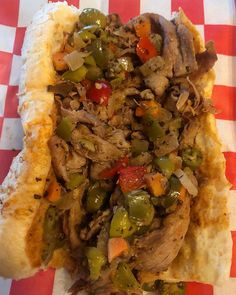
(215, 19)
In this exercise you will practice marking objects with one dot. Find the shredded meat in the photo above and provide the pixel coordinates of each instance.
(117, 137)
(104, 151)
(95, 225)
(166, 144)
(164, 89)
(157, 249)
(206, 59)
(75, 162)
(97, 168)
(158, 83)
(187, 49)
(80, 116)
(59, 151)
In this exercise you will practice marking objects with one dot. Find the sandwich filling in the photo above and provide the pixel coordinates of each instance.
(126, 169)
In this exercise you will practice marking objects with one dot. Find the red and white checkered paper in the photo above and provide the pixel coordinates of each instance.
(215, 19)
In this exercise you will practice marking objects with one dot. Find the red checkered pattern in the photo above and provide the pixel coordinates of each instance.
(216, 20)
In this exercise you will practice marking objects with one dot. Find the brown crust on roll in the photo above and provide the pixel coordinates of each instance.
(18, 206)
(34, 239)
(206, 253)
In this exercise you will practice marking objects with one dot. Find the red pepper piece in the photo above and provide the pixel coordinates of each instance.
(131, 178)
(100, 92)
(145, 49)
(111, 172)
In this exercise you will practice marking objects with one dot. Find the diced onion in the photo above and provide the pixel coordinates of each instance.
(186, 182)
(74, 60)
(78, 41)
(182, 100)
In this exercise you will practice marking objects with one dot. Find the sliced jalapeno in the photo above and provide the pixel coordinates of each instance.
(192, 157)
(166, 166)
(124, 278)
(96, 260)
(92, 16)
(75, 76)
(75, 180)
(121, 226)
(64, 129)
(141, 211)
(95, 198)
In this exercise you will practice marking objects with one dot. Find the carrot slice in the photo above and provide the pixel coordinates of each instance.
(59, 62)
(54, 191)
(116, 246)
(156, 184)
(143, 28)
(148, 106)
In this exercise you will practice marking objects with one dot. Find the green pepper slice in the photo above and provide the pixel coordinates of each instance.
(75, 76)
(166, 166)
(96, 260)
(121, 226)
(95, 198)
(141, 211)
(99, 53)
(152, 128)
(124, 278)
(125, 64)
(139, 146)
(75, 180)
(52, 234)
(86, 35)
(89, 60)
(94, 73)
(92, 16)
(174, 184)
(64, 129)
(90, 30)
(192, 157)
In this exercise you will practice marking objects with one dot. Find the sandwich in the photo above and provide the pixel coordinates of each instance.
(121, 179)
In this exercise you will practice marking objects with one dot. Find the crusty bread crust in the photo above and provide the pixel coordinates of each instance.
(206, 253)
(207, 249)
(29, 170)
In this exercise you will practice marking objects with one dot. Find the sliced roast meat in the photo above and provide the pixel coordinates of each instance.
(62, 88)
(114, 22)
(97, 168)
(171, 53)
(59, 151)
(117, 137)
(80, 116)
(166, 144)
(94, 147)
(158, 83)
(157, 249)
(75, 162)
(64, 160)
(95, 225)
(155, 64)
(206, 59)
(143, 159)
(117, 99)
(187, 49)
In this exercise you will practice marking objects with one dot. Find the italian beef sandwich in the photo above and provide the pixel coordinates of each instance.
(121, 179)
